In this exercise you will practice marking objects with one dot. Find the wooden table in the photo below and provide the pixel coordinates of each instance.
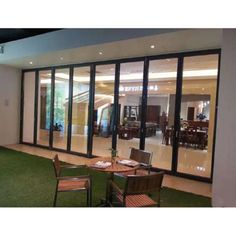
(114, 168)
(201, 134)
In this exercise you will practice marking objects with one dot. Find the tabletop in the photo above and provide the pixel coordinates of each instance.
(115, 167)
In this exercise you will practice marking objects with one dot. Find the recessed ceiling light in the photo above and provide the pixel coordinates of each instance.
(100, 53)
(61, 58)
(152, 46)
(112, 69)
(30, 62)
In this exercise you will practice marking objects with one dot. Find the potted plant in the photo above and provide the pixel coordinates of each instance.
(114, 153)
(57, 128)
(201, 116)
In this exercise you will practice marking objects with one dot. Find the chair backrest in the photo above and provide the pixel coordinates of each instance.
(141, 156)
(143, 184)
(57, 165)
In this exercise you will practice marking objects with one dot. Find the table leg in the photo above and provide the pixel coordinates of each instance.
(107, 201)
(108, 189)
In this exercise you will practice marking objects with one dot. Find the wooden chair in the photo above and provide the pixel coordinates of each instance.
(137, 190)
(192, 137)
(71, 183)
(144, 158)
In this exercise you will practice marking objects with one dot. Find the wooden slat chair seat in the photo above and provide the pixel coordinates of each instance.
(71, 183)
(145, 160)
(137, 190)
(141, 200)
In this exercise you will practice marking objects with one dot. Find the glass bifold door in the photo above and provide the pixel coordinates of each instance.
(164, 105)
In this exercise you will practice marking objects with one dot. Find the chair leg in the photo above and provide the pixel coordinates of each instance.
(87, 195)
(55, 196)
(90, 195)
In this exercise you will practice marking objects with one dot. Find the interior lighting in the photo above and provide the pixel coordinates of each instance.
(139, 76)
(48, 81)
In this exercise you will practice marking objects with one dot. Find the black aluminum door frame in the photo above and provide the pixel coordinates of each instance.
(178, 94)
(91, 106)
(143, 105)
(144, 99)
(116, 106)
(178, 97)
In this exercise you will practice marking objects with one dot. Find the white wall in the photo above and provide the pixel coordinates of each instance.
(28, 117)
(9, 105)
(224, 179)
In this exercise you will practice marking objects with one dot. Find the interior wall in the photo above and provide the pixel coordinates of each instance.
(158, 101)
(224, 178)
(28, 113)
(9, 105)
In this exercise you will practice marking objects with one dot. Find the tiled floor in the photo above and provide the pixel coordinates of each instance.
(187, 185)
(191, 161)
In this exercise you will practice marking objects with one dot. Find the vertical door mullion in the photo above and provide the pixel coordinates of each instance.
(52, 108)
(91, 110)
(70, 104)
(144, 105)
(116, 106)
(36, 106)
(178, 97)
(22, 107)
(216, 111)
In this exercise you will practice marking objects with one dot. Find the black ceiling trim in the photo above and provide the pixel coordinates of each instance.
(8, 35)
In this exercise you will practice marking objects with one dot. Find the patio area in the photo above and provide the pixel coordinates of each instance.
(28, 181)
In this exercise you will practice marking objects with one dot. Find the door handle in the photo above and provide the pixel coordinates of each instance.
(176, 133)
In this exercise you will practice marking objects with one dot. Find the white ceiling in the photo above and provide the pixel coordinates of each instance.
(184, 40)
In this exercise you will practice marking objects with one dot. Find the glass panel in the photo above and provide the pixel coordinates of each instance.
(61, 101)
(81, 81)
(160, 113)
(197, 115)
(44, 107)
(130, 99)
(103, 110)
(29, 95)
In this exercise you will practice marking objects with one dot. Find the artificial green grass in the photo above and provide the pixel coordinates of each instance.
(29, 181)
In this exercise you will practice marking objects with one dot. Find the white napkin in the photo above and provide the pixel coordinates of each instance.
(102, 164)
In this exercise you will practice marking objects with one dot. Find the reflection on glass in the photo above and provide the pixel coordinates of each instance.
(161, 111)
(197, 115)
(103, 110)
(44, 107)
(61, 102)
(81, 81)
(28, 114)
(130, 94)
